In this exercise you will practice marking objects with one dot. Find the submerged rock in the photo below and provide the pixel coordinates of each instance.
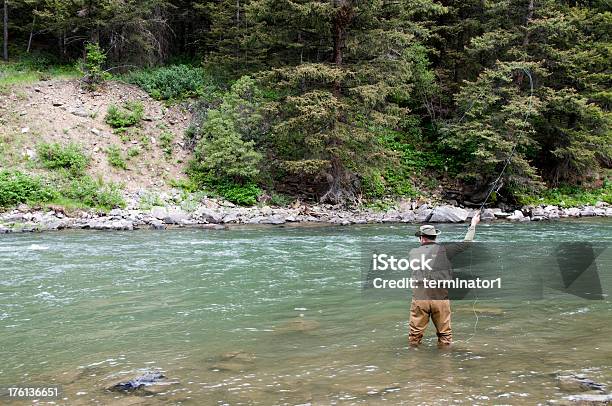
(589, 399)
(142, 381)
(213, 227)
(298, 325)
(274, 219)
(234, 361)
(578, 382)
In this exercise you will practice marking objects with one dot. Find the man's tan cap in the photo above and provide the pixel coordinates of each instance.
(427, 231)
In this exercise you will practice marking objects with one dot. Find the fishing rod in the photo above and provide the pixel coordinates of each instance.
(495, 187)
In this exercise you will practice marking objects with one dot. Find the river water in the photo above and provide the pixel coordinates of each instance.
(276, 315)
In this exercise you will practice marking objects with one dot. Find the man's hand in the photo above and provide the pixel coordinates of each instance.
(476, 219)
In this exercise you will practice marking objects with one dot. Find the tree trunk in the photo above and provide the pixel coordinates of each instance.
(341, 20)
(60, 44)
(31, 33)
(528, 18)
(5, 25)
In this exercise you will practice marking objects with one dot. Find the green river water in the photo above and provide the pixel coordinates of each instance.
(276, 315)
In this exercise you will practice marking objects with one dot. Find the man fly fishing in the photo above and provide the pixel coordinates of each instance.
(430, 302)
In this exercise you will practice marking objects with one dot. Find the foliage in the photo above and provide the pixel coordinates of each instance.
(93, 193)
(171, 82)
(226, 151)
(69, 157)
(17, 187)
(569, 196)
(280, 200)
(562, 130)
(133, 152)
(149, 200)
(451, 80)
(26, 71)
(244, 195)
(91, 67)
(381, 205)
(405, 166)
(497, 124)
(115, 157)
(165, 142)
(186, 185)
(332, 97)
(127, 116)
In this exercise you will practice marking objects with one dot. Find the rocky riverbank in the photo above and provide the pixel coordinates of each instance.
(176, 211)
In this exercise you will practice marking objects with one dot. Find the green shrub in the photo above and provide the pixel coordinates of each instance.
(127, 116)
(187, 185)
(568, 196)
(145, 141)
(280, 200)
(91, 67)
(170, 82)
(69, 157)
(165, 142)
(407, 163)
(109, 196)
(115, 157)
(94, 193)
(17, 187)
(225, 149)
(244, 195)
(133, 152)
(374, 185)
(149, 200)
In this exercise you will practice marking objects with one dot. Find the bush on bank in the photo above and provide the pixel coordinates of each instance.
(170, 82)
(17, 187)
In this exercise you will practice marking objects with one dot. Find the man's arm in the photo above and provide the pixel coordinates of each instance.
(456, 248)
(469, 236)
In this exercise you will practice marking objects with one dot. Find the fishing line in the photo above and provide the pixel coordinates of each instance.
(495, 186)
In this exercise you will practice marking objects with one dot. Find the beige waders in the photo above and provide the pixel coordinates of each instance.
(440, 313)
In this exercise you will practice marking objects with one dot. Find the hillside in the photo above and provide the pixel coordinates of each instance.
(59, 111)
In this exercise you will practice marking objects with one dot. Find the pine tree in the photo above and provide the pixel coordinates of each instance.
(350, 67)
(566, 136)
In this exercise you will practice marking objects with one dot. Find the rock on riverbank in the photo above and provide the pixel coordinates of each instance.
(216, 214)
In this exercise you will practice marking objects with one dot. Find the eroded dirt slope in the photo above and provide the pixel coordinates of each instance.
(60, 111)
